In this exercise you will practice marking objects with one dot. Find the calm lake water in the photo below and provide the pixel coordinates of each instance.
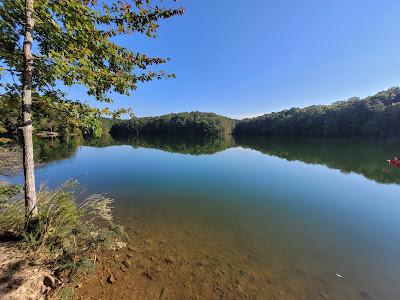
(250, 217)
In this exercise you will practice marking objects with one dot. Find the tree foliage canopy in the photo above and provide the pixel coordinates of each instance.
(196, 123)
(74, 43)
(376, 116)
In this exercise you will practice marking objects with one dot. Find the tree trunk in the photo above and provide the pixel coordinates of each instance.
(31, 210)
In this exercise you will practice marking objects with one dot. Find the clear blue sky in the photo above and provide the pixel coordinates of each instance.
(245, 58)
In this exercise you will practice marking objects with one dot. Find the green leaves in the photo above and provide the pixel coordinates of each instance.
(73, 43)
(51, 112)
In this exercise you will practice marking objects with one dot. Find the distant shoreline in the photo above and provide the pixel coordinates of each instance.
(376, 116)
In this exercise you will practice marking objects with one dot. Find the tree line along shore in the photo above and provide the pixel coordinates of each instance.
(376, 116)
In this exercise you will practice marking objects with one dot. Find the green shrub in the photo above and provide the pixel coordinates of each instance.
(69, 233)
(9, 218)
(8, 191)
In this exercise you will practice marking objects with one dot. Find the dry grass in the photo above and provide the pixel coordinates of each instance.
(69, 237)
(10, 160)
(4, 141)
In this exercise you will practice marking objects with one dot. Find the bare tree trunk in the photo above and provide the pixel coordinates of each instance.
(31, 209)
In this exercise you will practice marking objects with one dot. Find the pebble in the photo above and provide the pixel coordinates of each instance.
(127, 263)
(140, 265)
(133, 249)
(221, 272)
(168, 259)
(323, 295)
(201, 263)
(148, 275)
(365, 295)
(252, 275)
(111, 279)
(268, 280)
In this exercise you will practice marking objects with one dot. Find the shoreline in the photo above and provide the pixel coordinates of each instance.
(19, 278)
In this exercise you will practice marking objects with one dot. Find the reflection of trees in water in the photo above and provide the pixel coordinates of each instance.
(365, 157)
(49, 150)
(105, 140)
(184, 144)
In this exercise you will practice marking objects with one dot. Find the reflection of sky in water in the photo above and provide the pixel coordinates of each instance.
(343, 220)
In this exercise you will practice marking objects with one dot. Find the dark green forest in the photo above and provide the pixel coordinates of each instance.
(199, 123)
(376, 116)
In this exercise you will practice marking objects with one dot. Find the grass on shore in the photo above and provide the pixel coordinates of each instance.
(11, 158)
(70, 233)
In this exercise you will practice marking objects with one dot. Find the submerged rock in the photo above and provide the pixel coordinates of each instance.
(147, 275)
(133, 249)
(324, 296)
(169, 259)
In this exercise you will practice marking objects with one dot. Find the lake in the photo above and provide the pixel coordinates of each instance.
(246, 217)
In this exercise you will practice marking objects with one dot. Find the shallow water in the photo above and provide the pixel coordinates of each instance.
(251, 217)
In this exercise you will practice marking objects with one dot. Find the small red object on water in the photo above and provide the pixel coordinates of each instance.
(394, 162)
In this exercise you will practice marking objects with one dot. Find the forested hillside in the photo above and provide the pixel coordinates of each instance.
(197, 123)
(376, 116)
